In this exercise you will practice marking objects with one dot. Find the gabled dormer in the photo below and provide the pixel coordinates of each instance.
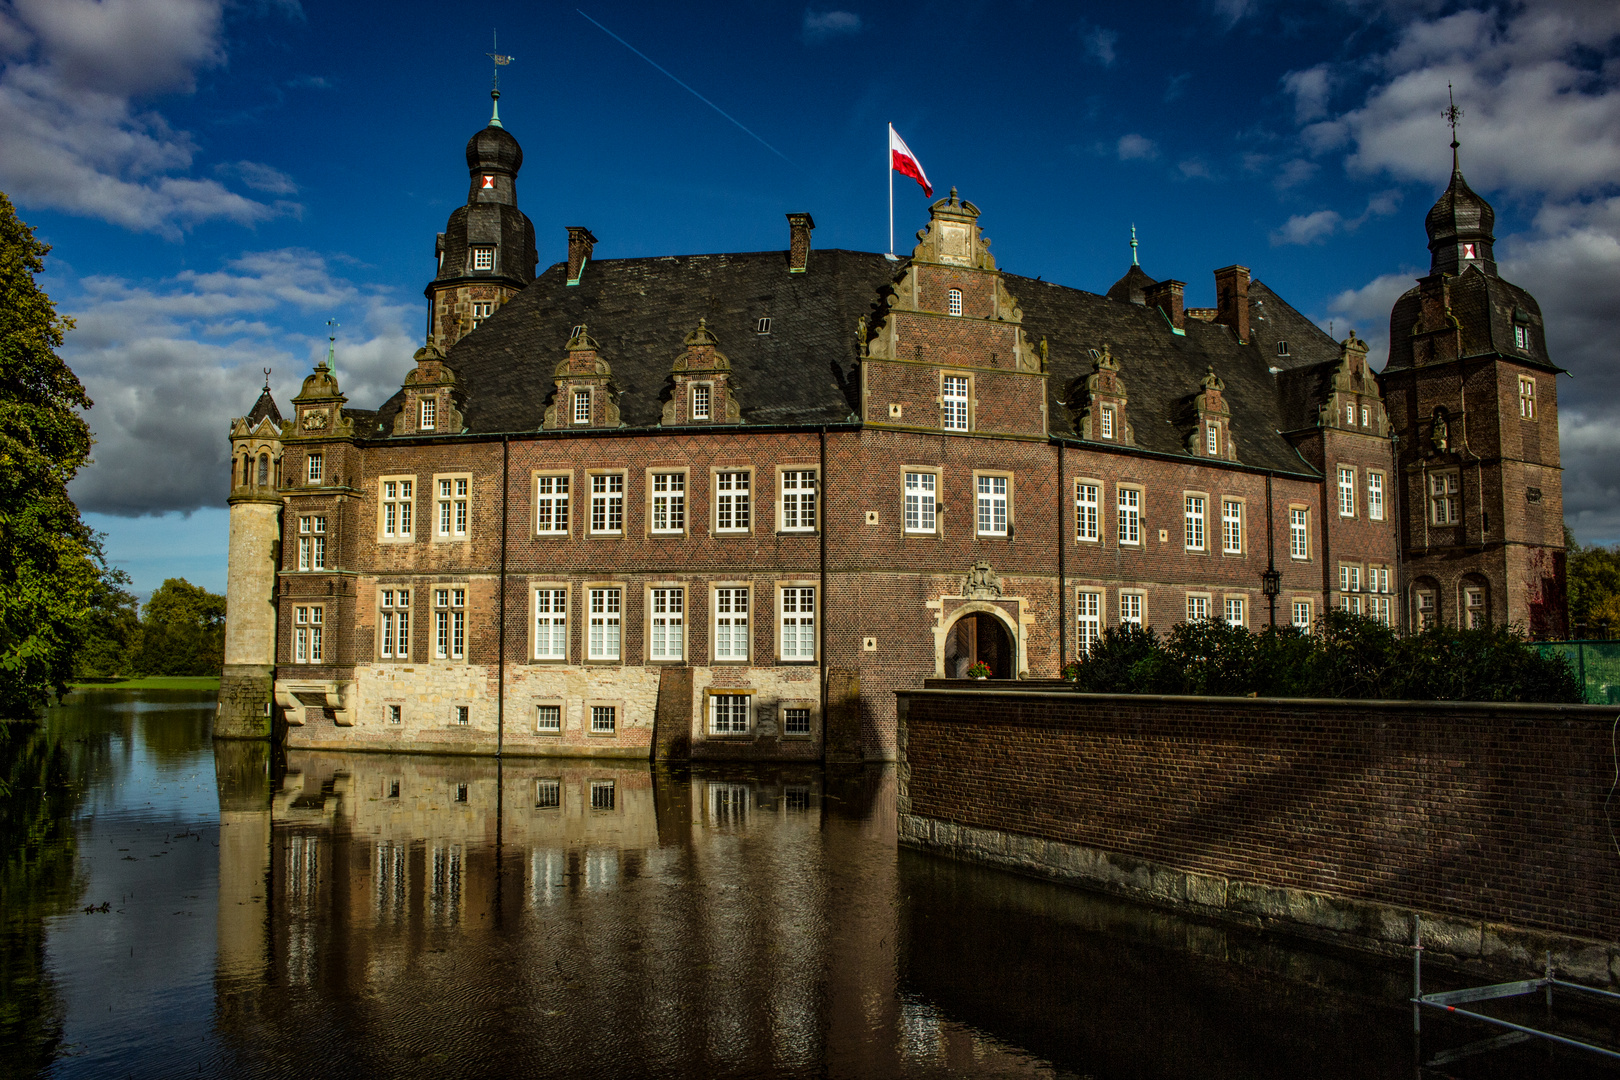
(433, 397)
(586, 395)
(1103, 409)
(1354, 402)
(1210, 421)
(704, 389)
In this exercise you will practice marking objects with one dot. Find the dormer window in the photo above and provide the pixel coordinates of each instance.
(953, 302)
(763, 326)
(582, 406)
(1107, 412)
(430, 409)
(483, 258)
(1212, 440)
(1521, 337)
(314, 468)
(700, 402)
(1282, 348)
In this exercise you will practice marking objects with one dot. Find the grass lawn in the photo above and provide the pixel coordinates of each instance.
(155, 682)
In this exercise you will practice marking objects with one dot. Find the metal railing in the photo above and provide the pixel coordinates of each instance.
(1596, 664)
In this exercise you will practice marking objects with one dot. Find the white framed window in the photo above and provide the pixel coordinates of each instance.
(605, 615)
(1193, 533)
(920, 492)
(953, 302)
(1106, 421)
(1366, 416)
(1527, 397)
(1212, 439)
(1282, 348)
(666, 624)
(602, 798)
(798, 623)
(394, 717)
(1088, 620)
(1130, 515)
(1299, 533)
(795, 721)
(551, 624)
(1087, 510)
(731, 623)
(481, 310)
(992, 505)
(1375, 495)
(312, 542)
(700, 401)
(1351, 602)
(428, 414)
(1473, 608)
(1445, 498)
(1236, 613)
(1302, 615)
(548, 719)
(582, 406)
(1378, 579)
(669, 502)
(396, 505)
(1197, 609)
(798, 500)
(483, 258)
(1231, 526)
(1350, 414)
(308, 624)
(954, 398)
(1347, 491)
(728, 714)
(394, 624)
(463, 717)
(551, 504)
(607, 503)
(731, 502)
(1427, 610)
(453, 506)
(1349, 578)
(604, 721)
(450, 624)
(1130, 608)
(1378, 608)
(1521, 336)
(315, 461)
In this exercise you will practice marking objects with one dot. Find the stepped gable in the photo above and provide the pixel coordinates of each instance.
(1160, 368)
(1273, 319)
(639, 310)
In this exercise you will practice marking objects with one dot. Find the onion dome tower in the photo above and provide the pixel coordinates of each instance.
(486, 252)
(1472, 395)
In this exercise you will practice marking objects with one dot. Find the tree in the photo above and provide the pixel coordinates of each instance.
(182, 631)
(49, 560)
(113, 627)
(1593, 574)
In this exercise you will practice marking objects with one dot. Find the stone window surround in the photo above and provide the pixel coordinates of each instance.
(585, 622)
(710, 693)
(972, 398)
(589, 501)
(561, 705)
(1244, 598)
(939, 501)
(1340, 489)
(647, 622)
(569, 501)
(714, 500)
(1310, 606)
(534, 585)
(1243, 525)
(1204, 548)
(810, 705)
(776, 619)
(452, 537)
(1383, 494)
(1146, 614)
(1102, 512)
(1012, 515)
(409, 587)
(1101, 593)
(1209, 605)
(1141, 514)
(1306, 510)
(398, 537)
(692, 399)
(780, 497)
(714, 614)
(685, 474)
(616, 704)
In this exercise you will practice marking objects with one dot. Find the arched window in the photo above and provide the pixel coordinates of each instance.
(954, 302)
(264, 470)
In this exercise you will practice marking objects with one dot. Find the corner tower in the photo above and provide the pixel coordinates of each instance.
(486, 252)
(1472, 397)
(250, 590)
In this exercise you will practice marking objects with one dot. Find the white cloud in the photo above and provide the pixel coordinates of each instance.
(1310, 228)
(1176, 86)
(1100, 44)
(1311, 89)
(1134, 147)
(259, 177)
(72, 134)
(1366, 311)
(1194, 168)
(166, 362)
(822, 25)
(1294, 173)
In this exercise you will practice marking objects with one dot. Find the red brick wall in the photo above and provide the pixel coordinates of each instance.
(1489, 812)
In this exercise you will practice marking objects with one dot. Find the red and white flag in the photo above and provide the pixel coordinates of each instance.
(903, 161)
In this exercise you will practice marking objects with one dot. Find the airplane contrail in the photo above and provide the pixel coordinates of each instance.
(683, 86)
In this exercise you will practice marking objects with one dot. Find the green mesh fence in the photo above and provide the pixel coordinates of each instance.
(1596, 664)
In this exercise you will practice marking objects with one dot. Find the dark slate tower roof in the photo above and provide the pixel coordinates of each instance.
(1132, 288)
(263, 408)
(491, 217)
(1460, 218)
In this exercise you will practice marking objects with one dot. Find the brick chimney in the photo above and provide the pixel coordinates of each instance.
(1232, 299)
(580, 243)
(1167, 297)
(799, 227)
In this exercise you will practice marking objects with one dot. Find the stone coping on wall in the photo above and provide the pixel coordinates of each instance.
(1024, 691)
(478, 749)
(1472, 946)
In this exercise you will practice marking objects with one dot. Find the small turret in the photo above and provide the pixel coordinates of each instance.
(250, 591)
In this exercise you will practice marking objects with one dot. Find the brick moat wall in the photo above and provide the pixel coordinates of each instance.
(1491, 817)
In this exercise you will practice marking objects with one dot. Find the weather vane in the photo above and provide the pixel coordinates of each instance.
(267, 378)
(501, 60)
(1452, 115)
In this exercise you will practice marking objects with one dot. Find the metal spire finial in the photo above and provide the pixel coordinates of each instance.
(1452, 115)
(331, 345)
(267, 380)
(501, 60)
(1133, 245)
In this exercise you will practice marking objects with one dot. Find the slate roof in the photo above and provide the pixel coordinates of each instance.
(264, 407)
(1273, 319)
(1484, 305)
(806, 370)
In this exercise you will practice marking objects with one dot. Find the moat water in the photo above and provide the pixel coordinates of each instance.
(173, 907)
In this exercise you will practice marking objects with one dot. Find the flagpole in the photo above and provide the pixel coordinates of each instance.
(889, 156)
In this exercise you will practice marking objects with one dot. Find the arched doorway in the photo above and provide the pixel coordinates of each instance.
(979, 637)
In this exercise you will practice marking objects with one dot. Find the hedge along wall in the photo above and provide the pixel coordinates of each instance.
(1353, 817)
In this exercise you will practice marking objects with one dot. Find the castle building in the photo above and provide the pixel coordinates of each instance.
(724, 505)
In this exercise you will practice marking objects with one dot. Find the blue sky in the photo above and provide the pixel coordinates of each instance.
(219, 179)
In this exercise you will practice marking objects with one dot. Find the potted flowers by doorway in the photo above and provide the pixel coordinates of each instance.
(980, 670)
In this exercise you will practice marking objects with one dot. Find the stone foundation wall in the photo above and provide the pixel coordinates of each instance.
(1483, 824)
(244, 698)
